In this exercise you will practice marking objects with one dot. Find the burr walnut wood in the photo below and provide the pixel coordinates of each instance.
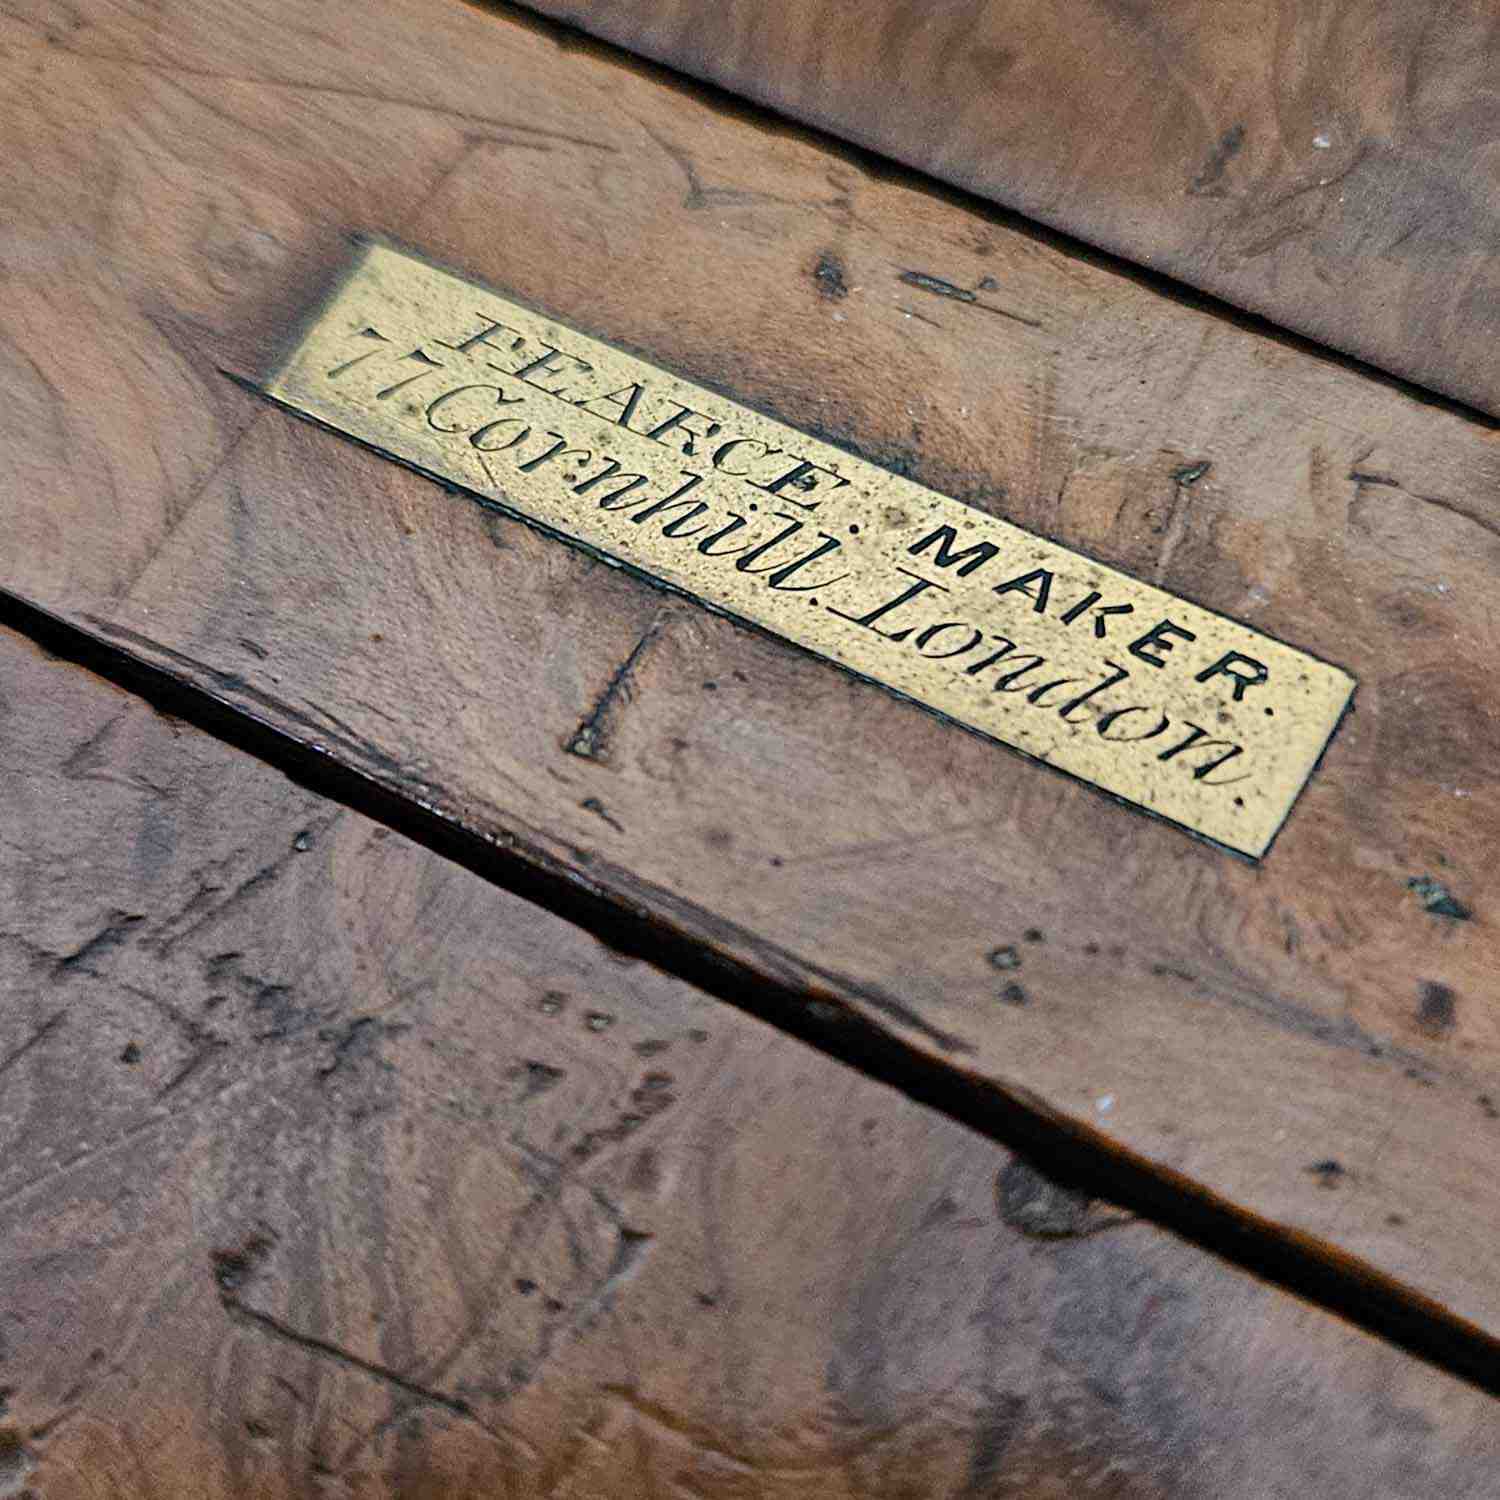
(328, 1169)
(1313, 1041)
(1328, 164)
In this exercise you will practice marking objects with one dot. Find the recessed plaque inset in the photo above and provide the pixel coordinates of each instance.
(1181, 711)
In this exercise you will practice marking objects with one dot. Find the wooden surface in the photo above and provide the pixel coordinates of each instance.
(328, 1169)
(1331, 165)
(878, 576)
(1313, 1040)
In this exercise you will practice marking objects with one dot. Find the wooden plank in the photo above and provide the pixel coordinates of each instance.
(696, 494)
(329, 1168)
(1313, 1040)
(1325, 165)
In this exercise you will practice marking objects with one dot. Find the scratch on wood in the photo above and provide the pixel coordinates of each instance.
(1457, 508)
(595, 806)
(940, 288)
(1176, 523)
(115, 931)
(712, 1445)
(1364, 478)
(90, 762)
(192, 1066)
(182, 509)
(591, 739)
(1358, 478)
(911, 312)
(245, 891)
(630, 1252)
(359, 94)
(89, 755)
(255, 1318)
(36, 1038)
(698, 196)
(89, 1153)
(1208, 182)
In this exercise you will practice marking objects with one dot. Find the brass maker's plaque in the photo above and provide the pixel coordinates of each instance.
(1193, 716)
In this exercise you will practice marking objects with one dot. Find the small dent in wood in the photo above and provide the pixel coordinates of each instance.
(1437, 1009)
(234, 1269)
(540, 1077)
(828, 273)
(1329, 1172)
(1437, 899)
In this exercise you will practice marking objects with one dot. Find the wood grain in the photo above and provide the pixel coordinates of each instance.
(329, 1169)
(1314, 1040)
(1330, 165)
